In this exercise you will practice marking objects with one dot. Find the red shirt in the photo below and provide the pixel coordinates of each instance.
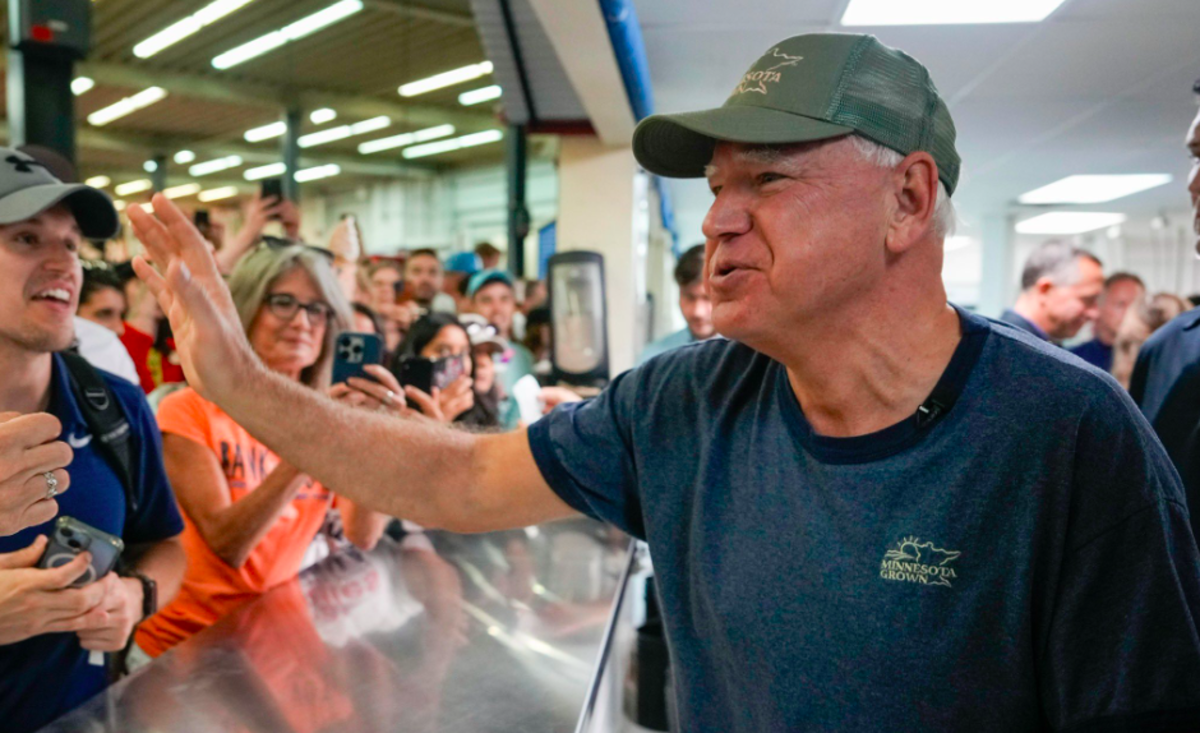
(153, 366)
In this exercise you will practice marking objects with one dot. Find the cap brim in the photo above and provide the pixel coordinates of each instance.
(680, 145)
(93, 209)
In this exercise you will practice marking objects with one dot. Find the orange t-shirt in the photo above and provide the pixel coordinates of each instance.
(211, 588)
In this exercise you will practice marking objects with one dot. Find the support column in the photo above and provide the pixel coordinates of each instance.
(516, 164)
(291, 154)
(998, 283)
(608, 224)
(159, 176)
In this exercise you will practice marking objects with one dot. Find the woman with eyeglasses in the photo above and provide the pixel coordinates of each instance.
(249, 516)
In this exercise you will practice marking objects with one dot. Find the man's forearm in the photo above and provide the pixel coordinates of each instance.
(163, 562)
(406, 468)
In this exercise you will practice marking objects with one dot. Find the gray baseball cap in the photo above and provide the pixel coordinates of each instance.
(27, 188)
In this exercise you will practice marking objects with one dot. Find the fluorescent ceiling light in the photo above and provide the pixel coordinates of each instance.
(178, 192)
(457, 143)
(137, 186)
(183, 157)
(475, 96)
(293, 32)
(939, 12)
(264, 171)
(213, 166)
(128, 105)
(320, 171)
(216, 194)
(266, 132)
(406, 138)
(1068, 222)
(344, 131)
(150, 166)
(181, 29)
(445, 79)
(98, 181)
(119, 205)
(323, 115)
(1093, 189)
(81, 85)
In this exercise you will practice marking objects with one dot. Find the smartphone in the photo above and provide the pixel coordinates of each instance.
(353, 352)
(272, 188)
(202, 220)
(446, 370)
(416, 371)
(71, 537)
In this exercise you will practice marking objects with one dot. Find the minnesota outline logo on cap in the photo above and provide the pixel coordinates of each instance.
(771, 75)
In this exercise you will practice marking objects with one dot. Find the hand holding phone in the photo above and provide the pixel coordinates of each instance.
(72, 537)
(353, 353)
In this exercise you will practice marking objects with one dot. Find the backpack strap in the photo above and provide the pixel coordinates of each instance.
(107, 421)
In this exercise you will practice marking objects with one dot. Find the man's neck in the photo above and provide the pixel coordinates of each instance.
(26, 384)
(860, 374)
(1026, 308)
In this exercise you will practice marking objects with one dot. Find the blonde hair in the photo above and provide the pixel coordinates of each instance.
(251, 282)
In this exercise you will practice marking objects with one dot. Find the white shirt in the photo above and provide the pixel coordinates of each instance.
(104, 350)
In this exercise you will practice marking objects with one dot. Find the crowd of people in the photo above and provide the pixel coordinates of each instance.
(868, 508)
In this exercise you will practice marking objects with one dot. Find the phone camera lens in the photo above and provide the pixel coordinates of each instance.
(74, 544)
(66, 532)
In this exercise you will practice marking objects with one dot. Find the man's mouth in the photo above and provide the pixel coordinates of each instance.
(54, 295)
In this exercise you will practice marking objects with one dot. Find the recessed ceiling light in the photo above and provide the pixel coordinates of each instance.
(475, 96)
(1093, 189)
(150, 166)
(181, 29)
(216, 194)
(126, 106)
(318, 172)
(292, 32)
(266, 132)
(178, 192)
(940, 12)
(271, 170)
(446, 78)
(213, 166)
(131, 187)
(323, 115)
(457, 143)
(81, 85)
(1068, 222)
(406, 138)
(98, 181)
(343, 131)
(183, 157)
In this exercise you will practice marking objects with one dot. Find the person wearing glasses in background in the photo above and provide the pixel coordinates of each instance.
(250, 516)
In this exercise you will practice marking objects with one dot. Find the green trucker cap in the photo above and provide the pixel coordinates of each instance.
(811, 87)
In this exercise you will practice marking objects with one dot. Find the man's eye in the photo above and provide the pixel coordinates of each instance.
(27, 238)
(765, 178)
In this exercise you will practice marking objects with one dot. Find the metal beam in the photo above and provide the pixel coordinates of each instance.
(408, 10)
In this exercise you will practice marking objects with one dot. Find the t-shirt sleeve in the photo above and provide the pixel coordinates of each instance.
(182, 413)
(585, 452)
(1120, 641)
(157, 515)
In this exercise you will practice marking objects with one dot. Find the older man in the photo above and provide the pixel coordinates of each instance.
(1060, 292)
(870, 511)
(1166, 378)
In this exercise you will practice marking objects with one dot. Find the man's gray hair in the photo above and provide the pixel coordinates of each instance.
(944, 217)
(1056, 260)
(251, 282)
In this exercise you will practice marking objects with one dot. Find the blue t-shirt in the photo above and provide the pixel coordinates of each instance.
(1021, 562)
(45, 676)
(1095, 352)
(1012, 318)
(1166, 385)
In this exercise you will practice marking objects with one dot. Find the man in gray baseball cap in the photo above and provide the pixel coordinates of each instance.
(868, 509)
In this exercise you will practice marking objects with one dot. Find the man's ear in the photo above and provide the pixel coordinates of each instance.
(1043, 285)
(915, 187)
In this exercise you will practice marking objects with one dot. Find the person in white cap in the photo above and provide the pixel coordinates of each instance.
(53, 637)
(868, 510)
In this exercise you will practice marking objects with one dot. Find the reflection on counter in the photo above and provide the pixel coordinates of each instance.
(435, 632)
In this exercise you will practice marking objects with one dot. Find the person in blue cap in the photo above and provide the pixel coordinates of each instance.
(493, 296)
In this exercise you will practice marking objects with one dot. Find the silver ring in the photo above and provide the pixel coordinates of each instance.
(51, 484)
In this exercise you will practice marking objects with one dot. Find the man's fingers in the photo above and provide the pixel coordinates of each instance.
(153, 234)
(39, 512)
(30, 430)
(190, 244)
(151, 277)
(43, 458)
(6, 416)
(385, 377)
(24, 558)
(64, 575)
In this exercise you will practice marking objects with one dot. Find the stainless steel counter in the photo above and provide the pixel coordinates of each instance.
(440, 632)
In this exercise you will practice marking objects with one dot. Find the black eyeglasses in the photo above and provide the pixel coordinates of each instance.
(281, 243)
(284, 307)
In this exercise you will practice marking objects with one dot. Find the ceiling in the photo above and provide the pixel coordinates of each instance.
(1101, 86)
(353, 66)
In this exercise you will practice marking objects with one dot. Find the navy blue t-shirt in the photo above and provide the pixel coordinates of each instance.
(1095, 352)
(1166, 385)
(1022, 562)
(45, 676)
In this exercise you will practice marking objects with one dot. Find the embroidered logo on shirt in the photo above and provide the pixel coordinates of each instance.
(78, 441)
(914, 561)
